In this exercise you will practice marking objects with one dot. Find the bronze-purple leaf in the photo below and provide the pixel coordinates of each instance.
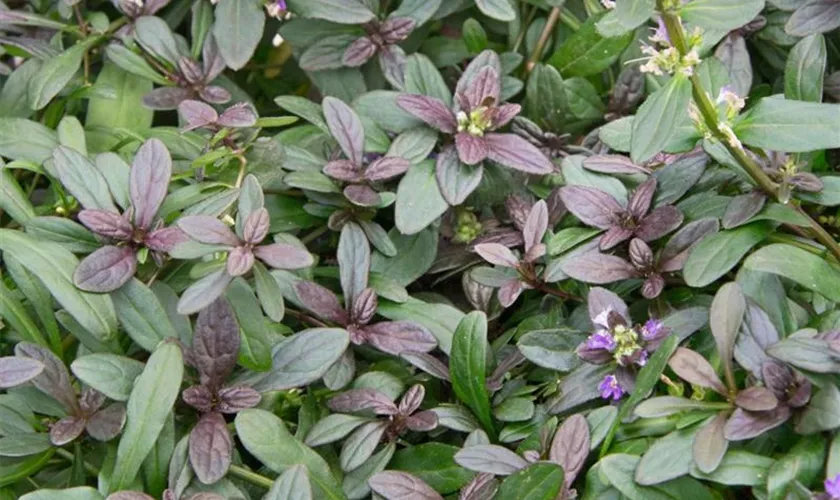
(343, 170)
(363, 399)
(106, 223)
(397, 485)
(742, 208)
(239, 115)
(592, 206)
(199, 397)
(237, 398)
(756, 399)
(598, 268)
(209, 230)
(107, 423)
(396, 29)
(484, 88)
(497, 254)
(216, 342)
(412, 399)
(165, 239)
(240, 260)
(15, 370)
(432, 111)
(395, 337)
(515, 152)
(66, 430)
(106, 269)
(747, 425)
(658, 223)
(214, 94)
(346, 127)
(358, 52)
(211, 448)
(482, 486)
(427, 363)
(422, 421)
(640, 200)
(196, 114)
(710, 444)
(535, 226)
(601, 299)
(149, 181)
(90, 401)
(386, 168)
(284, 256)
(570, 447)
(471, 149)
(364, 307)
(509, 292)
(362, 195)
(321, 301)
(54, 378)
(694, 368)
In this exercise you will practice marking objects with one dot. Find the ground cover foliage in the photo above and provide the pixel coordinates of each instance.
(419, 249)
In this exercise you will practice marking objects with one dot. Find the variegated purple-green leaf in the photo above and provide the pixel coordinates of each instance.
(362, 195)
(694, 368)
(165, 239)
(106, 223)
(490, 458)
(237, 398)
(363, 399)
(428, 363)
(395, 337)
(422, 421)
(398, 485)
(239, 115)
(364, 307)
(216, 342)
(106, 269)
(412, 399)
(658, 223)
(149, 181)
(592, 206)
(284, 256)
(386, 167)
(570, 447)
(640, 200)
(456, 180)
(485, 58)
(240, 260)
(354, 261)
(343, 170)
(66, 430)
(536, 225)
(396, 29)
(482, 486)
(510, 291)
(54, 379)
(211, 448)
(196, 114)
(742, 208)
(190, 70)
(471, 149)
(321, 301)
(256, 226)
(515, 152)
(203, 292)
(214, 94)
(756, 398)
(209, 230)
(107, 423)
(346, 127)
(598, 268)
(747, 425)
(710, 444)
(497, 254)
(15, 370)
(359, 52)
(429, 109)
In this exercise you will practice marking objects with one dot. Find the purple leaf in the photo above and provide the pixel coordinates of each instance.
(598, 268)
(432, 111)
(694, 368)
(215, 343)
(640, 254)
(107, 423)
(658, 223)
(240, 260)
(756, 398)
(209, 230)
(54, 379)
(346, 127)
(653, 286)
(239, 115)
(284, 256)
(503, 114)
(395, 337)
(509, 292)
(363, 399)
(614, 236)
(490, 458)
(676, 251)
(386, 168)
(15, 370)
(536, 225)
(484, 89)
(90, 401)
(358, 52)
(422, 421)
(455, 180)
(343, 170)
(570, 447)
(742, 208)
(106, 223)
(392, 61)
(481, 487)
(129, 495)
(710, 444)
(362, 195)
(364, 307)
(165, 98)
(471, 149)
(196, 114)
(592, 206)
(65, 430)
(747, 425)
(497, 254)
(640, 200)
(149, 181)
(396, 29)
(190, 70)
(412, 399)
(321, 301)
(212, 59)
(613, 164)
(106, 269)
(214, 94)
(199, 397)
(601, 299)
(237, 398)
(396, 485)
(165, 239)
(211, 448)
(256, 226)
(427, 363)
(515, 152)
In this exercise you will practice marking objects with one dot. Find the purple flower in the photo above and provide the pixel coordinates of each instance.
(832, 487)
(601, 340)
(652, 330)
(660, 33)
(610, 388)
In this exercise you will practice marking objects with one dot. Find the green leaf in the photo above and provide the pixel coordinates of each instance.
(126, 111)
(803, 463)
(717, 253)
(82, 179)
(110, 374)
(12, 198)
(13, 312)
(582, 99)
(414, 255)
(240, 32)
(626, 16)
(55, 74)
(501, 10)
(618, 470)
(669, 457)
(265, 436)
(353, 256)
(514, 410)
(151, 400)
(474, 36)
(312, 181)
(22, 139)
(805, 268)
(414, 145)
(419, 201)
(539, 481)
(738, 468)
(468, 367)
(39, 299)
(79, 493)
(554, 349)
(421, 77)
(545, 98)
(805, 69)
(13, 102)
(142, 315)
(338, 11)
(381, 106)
(255, 349)
(828, 196)
(133, 63)
(586, 52)
(790, 126)
(722, 15)
(822, 412)
(54, 266)
(434, 463)
(305, 109)
(70, 235)
(568, 238)
(271, 298)
(658, 117)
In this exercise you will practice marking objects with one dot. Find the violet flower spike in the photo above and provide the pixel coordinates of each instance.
(610, 388)
(832, 487)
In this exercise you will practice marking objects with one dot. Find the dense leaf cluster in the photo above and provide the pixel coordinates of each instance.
(419, 249)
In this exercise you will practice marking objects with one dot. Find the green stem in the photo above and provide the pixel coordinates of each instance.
(553, 17)
(251, 477)
(92, 470)
(569, 19)
(709, 112)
